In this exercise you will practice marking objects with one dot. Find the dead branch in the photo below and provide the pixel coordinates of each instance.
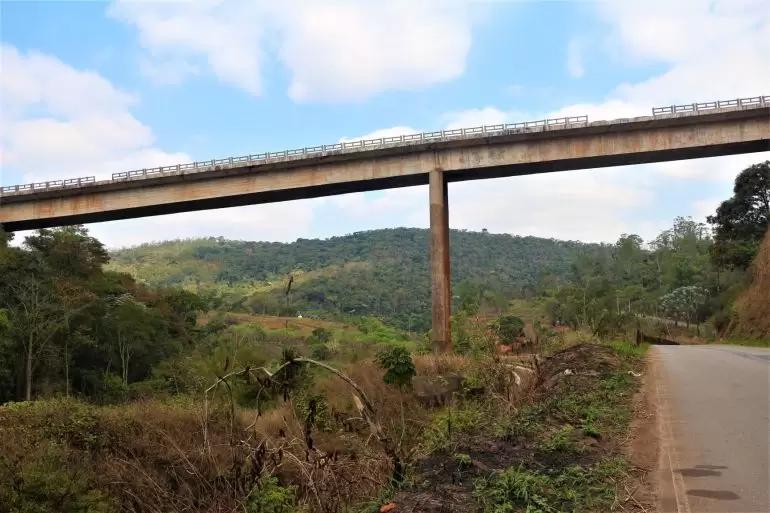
(367, 409)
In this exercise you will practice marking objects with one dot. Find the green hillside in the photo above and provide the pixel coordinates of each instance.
(380, 272)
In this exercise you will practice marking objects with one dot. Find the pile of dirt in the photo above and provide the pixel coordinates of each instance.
(445, 481)
(581, 363)
(752, 309)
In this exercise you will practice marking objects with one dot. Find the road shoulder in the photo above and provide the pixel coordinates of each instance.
(643, 448)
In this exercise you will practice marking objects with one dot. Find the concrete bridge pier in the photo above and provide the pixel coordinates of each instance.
(441, 335)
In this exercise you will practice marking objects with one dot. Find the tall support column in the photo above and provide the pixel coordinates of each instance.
(439, 262)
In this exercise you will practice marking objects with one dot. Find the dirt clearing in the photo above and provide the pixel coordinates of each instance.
(570, 447)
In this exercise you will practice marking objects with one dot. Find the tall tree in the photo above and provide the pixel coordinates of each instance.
(682, 253)
(70, 251)
(741, 221)
(132, 324)
(37, 316)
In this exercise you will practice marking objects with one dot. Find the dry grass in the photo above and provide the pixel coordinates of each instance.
(146, 457)
(304, 325)
(752, 309)
(434, 365)
(157, 456)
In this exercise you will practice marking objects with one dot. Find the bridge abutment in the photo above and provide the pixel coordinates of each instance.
(441, 334)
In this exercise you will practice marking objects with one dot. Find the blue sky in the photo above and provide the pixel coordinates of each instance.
(90, 88)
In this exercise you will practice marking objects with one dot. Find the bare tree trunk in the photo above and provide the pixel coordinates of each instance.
(28, 377)
(67, 360)
(66, 368)
(124, 356)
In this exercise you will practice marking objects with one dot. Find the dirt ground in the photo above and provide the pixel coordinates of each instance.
(443, 484)
(643, 447)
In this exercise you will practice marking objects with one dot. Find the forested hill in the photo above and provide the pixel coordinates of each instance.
(382, 272)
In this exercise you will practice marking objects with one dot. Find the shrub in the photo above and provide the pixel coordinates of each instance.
(48, 477)
(271, 497)
(116, 391)
(398, 365)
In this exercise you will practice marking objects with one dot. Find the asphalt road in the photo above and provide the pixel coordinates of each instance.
(714, 428)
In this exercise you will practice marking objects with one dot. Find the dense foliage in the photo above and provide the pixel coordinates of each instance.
(69, 326)
(684, 275)
(611, 287)
(509, 328)
(381, 272)
(741, 221)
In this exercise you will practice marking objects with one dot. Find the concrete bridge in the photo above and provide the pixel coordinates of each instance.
(434, 158)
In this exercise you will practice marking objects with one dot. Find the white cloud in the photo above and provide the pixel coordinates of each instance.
(352, 50)
(410, 204)
(60, 122)
(337, 50)
(575, 58)
(224, 37)
(715, 49)
(685, 30)
(283, 222)
(704, 208)
(168, 71)
(479, 117)
(578, 205)
(385, 132)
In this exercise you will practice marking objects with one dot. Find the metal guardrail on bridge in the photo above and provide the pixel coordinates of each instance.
(314, 151)
(51, 184)
(442, 135)
(755, 101)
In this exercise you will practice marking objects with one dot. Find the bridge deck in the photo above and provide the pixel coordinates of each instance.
(461, 155)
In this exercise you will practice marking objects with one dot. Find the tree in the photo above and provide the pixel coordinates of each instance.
(6, 353)
(37, 317)
(5, 237)
(69, 250)
(741, 221)
(75, 300)
(470, 296)
(509, 328)
(682, 254)
(5, 324)
(132, 325)
(684, 303)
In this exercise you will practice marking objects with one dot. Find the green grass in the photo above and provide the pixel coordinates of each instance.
(559, 441)
(461, 418)
(608, 407)
(574, 489)
(628, 350)
(528, 310)
(526, 423)
(744, 342)
(603, 410)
